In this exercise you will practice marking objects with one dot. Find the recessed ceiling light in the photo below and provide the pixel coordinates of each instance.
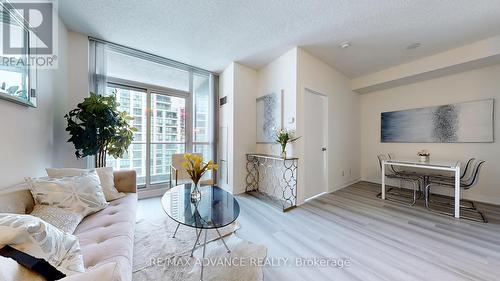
(413, 46)
(345, 45)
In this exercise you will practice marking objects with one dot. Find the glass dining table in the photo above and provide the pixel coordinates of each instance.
(436, 165)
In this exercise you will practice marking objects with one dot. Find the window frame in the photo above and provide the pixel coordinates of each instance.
(149, 89)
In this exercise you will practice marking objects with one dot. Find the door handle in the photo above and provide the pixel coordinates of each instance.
(323, 149)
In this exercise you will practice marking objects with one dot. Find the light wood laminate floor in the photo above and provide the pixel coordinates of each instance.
(381, 239)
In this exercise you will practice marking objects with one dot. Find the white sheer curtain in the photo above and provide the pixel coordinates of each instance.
(97, 76)
(97, 67)
(123, 66)
(214, 114)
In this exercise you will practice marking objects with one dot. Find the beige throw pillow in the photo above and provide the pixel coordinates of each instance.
(40, 239)
(105, 176)
(63, 219)
(80, 194)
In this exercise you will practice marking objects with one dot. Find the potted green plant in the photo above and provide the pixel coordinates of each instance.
(98, 128)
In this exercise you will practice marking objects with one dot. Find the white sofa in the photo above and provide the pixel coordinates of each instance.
(106, 237)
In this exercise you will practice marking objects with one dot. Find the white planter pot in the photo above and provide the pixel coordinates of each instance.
(424, 158)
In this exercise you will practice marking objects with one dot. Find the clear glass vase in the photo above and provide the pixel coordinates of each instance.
(283, 151)
(195, 192)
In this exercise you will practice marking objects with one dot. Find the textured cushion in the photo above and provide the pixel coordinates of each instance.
(63, 219)
(105, 272)
(40, 239)
(81, 194)
(105, 176)
(16, 199)
(108, 236)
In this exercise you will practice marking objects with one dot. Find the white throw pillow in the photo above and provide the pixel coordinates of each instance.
(80, 194)
(63, 219)
(105, 176)
(40, 239)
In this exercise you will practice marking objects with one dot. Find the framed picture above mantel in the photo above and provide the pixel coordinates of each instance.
(466, 122)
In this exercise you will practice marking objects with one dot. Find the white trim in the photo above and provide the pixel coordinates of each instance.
(148, 193)
(315, 196)
(326, 132)
(148, 138)
(345, 185)
(332, 191)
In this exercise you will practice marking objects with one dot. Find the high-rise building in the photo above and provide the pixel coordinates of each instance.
(167, 133)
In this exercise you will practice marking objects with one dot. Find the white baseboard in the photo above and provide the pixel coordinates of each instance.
(143, 194)
(449, 192)
(330, 190)
(344, 185)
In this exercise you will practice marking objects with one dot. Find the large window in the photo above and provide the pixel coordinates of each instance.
(168, 134)
(161, 120)
(134, 103)
(171, 103)
(17, 79)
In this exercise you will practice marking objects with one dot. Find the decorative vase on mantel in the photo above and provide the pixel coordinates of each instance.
(195, 192)
(424, 158)
(424, 155)
(283, 151)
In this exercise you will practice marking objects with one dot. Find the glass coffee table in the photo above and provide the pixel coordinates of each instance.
(216, 208)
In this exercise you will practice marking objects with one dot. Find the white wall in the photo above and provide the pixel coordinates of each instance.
(467, 86)
(77, 82)
(343, 121)
(245, 87)
(27, 142)
(290, 74)
(236, 123)
(226, 129)
(280, 76)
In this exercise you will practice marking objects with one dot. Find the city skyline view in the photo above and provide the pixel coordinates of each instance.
(167, 129)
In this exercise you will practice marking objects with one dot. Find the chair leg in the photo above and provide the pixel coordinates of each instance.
(414, 194)
(426, 195)
(411, 197)
(475, 211)
(472, 206)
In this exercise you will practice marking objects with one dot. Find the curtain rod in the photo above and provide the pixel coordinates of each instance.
(153, 57)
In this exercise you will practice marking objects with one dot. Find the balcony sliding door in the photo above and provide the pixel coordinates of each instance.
(168, 134)
(133, 101)
(160, 119)
(173, 106)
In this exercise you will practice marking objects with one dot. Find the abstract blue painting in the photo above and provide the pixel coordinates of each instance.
(461, 122)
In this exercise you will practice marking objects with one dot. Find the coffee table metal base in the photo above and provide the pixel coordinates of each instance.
(198, 234)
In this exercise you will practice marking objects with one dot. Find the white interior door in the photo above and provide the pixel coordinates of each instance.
(316, 139)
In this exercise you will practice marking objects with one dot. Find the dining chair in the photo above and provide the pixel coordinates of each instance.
(391, 173)
(403, 172)
(179, 173)
(466, 175)
(466, 172)
(468, 180)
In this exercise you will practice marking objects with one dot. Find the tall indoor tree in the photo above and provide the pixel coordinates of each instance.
(98, 128)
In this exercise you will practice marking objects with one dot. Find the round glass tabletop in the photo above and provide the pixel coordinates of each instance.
(216, 208)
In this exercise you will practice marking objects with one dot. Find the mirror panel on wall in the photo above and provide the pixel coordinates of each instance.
(17, 78)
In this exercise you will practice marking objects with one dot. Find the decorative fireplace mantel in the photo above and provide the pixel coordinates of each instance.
(272, 179)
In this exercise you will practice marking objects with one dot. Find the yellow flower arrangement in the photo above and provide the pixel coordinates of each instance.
(194, 166)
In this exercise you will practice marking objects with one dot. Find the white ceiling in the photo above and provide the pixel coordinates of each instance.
(212, 33)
